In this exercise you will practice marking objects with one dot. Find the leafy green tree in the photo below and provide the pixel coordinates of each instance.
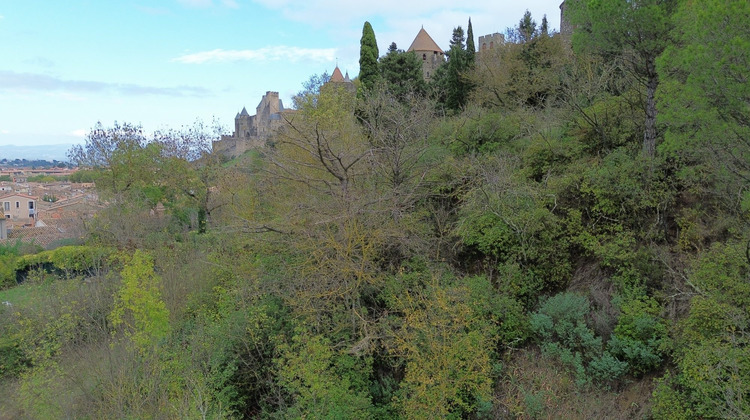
(640, 335)
(451, 82)
(187, 170)
(712, 344)
(527, 29)
(704, 94)
(445, 336)
(368, 57)
(635, 33)
(83, 175)
(323, 382)
(120, 154)
(458, 38)
(525, 71)
(402, 72)
(139, 309)
(310, 89)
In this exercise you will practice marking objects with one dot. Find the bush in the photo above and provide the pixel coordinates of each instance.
(7, 271)
(712, 345)
(563, 333)
(69, 260)
(12, 360)
(640, 335)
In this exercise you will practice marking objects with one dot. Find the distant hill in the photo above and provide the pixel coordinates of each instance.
(48, 152)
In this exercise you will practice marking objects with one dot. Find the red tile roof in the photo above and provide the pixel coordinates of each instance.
(18, 195)
(424, 42)
(337, 76)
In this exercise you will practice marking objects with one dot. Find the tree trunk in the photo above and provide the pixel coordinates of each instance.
(649, 134)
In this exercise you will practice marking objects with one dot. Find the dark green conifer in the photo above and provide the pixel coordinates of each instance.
(368, 57)
(470, 47)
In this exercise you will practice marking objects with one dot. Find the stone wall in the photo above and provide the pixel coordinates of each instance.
(252, 131)
(488, 42)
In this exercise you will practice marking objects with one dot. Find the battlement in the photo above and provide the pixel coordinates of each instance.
(488, 42)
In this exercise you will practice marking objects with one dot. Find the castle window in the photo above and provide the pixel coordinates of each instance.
(424, 56)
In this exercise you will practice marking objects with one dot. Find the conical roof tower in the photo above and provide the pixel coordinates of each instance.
(428, 51)
(337, 76)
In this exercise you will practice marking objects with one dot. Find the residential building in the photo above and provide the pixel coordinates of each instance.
(19, 208)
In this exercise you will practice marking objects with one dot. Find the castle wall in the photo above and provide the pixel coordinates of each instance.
(252, 131)
(488, 42)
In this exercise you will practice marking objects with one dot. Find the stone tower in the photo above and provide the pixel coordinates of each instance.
(428, 51)
(488, 42)
(252, 131)
(243, 123)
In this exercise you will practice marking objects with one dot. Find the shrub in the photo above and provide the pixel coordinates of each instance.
(563, 333)
(712, 345)
(640, 335)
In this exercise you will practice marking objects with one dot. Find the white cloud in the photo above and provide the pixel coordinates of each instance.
(399, 21)
(23, 82)
(79, 133)
(153, 11)
(202, 4)
(4, 132)
(290, 54)
(196, 3)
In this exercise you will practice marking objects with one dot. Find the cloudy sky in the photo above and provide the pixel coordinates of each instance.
(65, 65)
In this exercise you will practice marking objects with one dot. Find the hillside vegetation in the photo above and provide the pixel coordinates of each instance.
(553, 228)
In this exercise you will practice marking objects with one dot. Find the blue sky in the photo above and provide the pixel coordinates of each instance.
(65, 65)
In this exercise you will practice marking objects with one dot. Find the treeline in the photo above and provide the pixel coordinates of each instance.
(556, 227)
(33, 163)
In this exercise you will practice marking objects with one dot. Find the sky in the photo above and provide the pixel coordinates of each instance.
(67, 65)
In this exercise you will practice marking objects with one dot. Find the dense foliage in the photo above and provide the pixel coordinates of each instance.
(502, 242)
(368, 57)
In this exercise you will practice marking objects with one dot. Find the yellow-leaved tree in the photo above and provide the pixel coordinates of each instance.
(139, 311)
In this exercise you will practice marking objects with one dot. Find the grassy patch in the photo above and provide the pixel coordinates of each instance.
(19, 295)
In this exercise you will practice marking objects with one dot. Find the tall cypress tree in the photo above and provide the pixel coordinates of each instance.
(470, 41)
(368, 57)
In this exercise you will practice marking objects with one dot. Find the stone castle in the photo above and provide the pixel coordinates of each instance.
(253, 131)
